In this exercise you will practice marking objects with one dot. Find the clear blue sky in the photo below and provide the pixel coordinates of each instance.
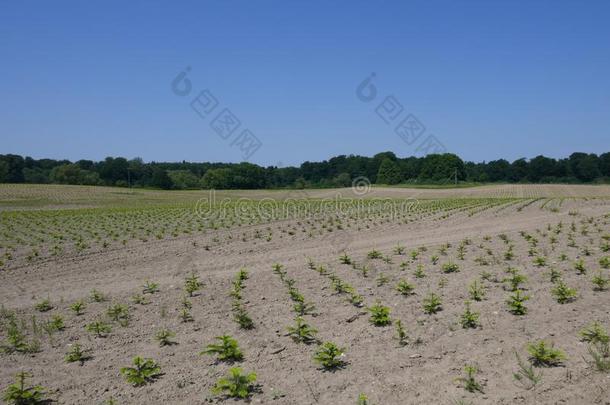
(489, 79)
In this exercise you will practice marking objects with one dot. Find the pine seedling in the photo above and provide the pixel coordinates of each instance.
(329, 356)
(20, 394)
(543, 354)
(469, 319)
(236, 384)
(404, 287)
(526, 376)
(563, 293)
(144, 371)
(302, 332)
(516, 303)
(78, 307)
(432, 304)
(594, 333)
(362, 399)
(164, 337)
(380, 315)
(227, 349)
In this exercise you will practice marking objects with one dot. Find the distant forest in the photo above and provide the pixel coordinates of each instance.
(339, 171)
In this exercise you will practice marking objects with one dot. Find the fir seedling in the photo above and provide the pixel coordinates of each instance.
(302, 332)
(401, 334)
(192, 284)
(554, 275)
(99, 328)
(304, 308)
(119, 313)
(144, 371)
(227, 349)
(164, 337)
(242, 318)
(363, 400)
(382, 280)
(78, 307)
(419, 271)
(476, 290)
(432, 304)
(579, 266)
(44, 305)
(380, 315)
(543, 354)
(563, 293)
(374, 254)
(140, 299)
(20, 394)
(185, 315)
(469, 319)
(236, 384)
(16, 340)
(450, 267)
(97, 296)
(469, 382)
(329, 356)
(600, 283)
(77, 354)
(56, 323)
(345, 259)
(404, 287)
(515, 280)
(150, 287)
(516, 303)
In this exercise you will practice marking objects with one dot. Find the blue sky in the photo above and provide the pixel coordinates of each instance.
(488, 79)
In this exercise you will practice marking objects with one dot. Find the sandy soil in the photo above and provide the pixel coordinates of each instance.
(418, 373)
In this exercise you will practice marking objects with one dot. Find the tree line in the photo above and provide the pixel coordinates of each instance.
(339, 171)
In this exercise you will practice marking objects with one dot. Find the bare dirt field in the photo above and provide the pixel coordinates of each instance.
(341, 263)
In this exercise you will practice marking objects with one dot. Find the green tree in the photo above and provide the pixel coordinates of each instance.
(3, 171)
(160, 179)
(389, 172)
(218, 179)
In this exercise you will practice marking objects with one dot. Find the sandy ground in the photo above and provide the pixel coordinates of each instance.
(423, 372)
